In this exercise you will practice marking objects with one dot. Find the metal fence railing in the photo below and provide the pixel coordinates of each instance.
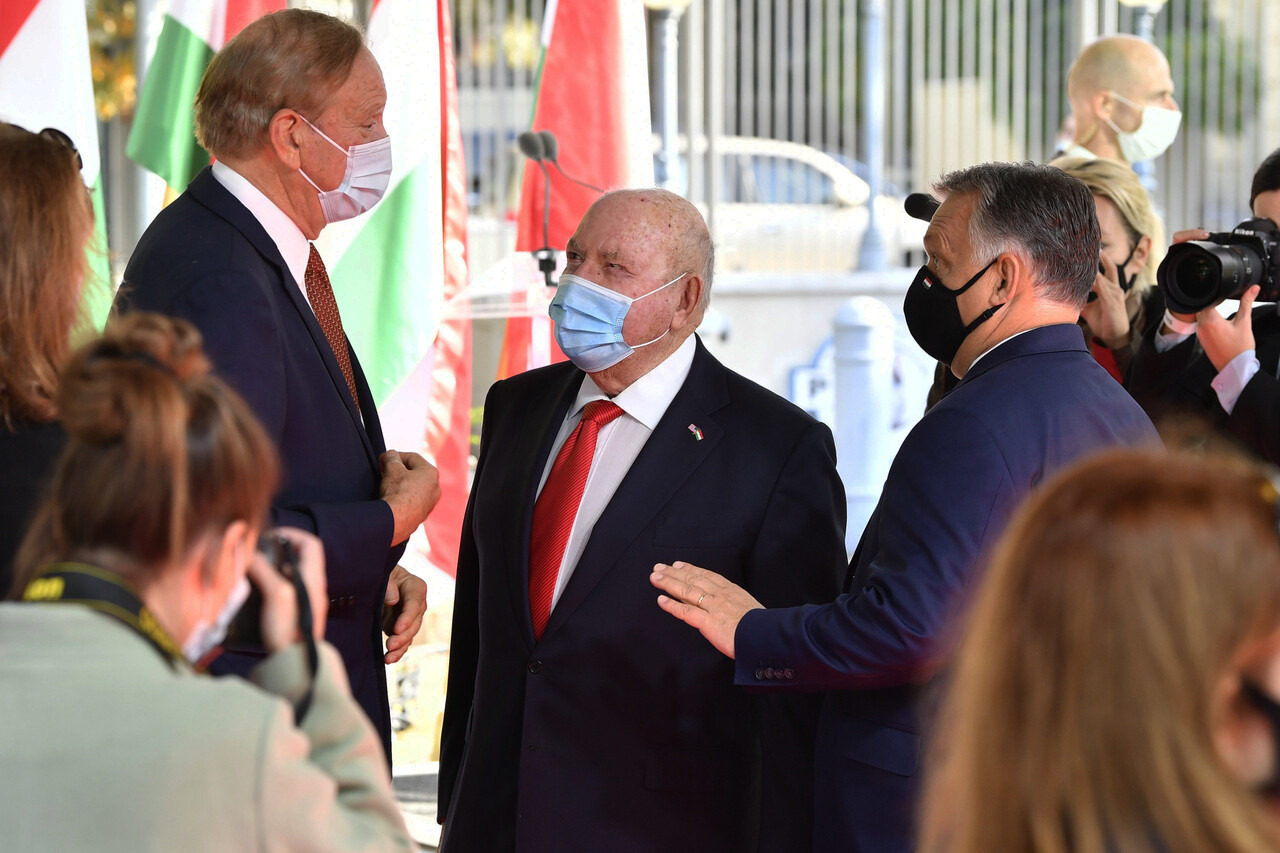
(961, 81)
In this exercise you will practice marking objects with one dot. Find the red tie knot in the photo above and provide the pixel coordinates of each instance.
(601, 412)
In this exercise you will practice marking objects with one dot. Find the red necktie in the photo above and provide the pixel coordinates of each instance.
(320, 295)
(557, 507)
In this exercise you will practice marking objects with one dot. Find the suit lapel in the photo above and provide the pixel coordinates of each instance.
(528, 454)
(208, 191)
(667, 460)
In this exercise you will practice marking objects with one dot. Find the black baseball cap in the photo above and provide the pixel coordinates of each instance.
(921, 206)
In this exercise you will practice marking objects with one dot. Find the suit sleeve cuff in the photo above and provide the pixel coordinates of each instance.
(1229, 384)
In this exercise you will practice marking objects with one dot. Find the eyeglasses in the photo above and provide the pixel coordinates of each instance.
(54, 135)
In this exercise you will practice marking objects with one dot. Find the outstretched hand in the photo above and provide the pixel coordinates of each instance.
(703, 600)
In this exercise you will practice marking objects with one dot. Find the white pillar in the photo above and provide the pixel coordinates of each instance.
(864, 405)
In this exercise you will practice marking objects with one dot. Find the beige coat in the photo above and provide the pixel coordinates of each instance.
(104, 747)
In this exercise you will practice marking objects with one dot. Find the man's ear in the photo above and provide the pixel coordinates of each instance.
(1014, 277)
(690, 299)
(282, 131)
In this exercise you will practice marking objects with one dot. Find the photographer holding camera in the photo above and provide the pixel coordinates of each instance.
(1196, 361)
(130, 574)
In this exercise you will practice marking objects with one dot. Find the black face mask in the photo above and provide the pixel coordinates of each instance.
(933, 317)
(1126, 284)
(1270, 709)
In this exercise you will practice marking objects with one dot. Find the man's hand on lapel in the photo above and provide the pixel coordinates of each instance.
(411, 487)
(703, 600)
(405, 604)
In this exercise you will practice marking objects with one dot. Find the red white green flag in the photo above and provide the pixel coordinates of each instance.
(593, 54)
(395, 267)
(45, 82)
(163, 139)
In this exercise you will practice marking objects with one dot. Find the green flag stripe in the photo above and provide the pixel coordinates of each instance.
(163, 136)
(384, 284)
(95, 296)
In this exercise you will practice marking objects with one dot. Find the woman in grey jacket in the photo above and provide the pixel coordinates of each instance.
(110, 739)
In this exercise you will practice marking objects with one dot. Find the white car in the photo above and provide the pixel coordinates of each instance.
(789, 207)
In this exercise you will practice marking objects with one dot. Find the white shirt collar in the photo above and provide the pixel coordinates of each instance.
(648, 397)
(1074, 150)
(989, 349)
(288, 237)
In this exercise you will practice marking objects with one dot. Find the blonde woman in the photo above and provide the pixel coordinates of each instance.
(1125, 302)
(1116, 687)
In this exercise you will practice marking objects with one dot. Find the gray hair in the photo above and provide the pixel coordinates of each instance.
(292, 59)
(1038, 212)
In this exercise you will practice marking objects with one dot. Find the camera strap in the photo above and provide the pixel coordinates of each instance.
(108, 594)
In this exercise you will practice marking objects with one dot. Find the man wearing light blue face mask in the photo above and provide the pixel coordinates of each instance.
(292, 110)
(1122, 104)
(578, 717)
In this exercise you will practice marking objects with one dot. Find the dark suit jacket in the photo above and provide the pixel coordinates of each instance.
(1028, 407)
(621, 729)
(1176, 383)
(207, 260)
(28, 456)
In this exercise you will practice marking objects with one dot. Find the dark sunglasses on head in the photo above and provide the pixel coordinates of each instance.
(54, 135)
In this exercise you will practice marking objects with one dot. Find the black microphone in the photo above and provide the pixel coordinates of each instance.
(551, 150)
(531, 145)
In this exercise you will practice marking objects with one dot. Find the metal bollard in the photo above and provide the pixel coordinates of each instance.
(864, 406)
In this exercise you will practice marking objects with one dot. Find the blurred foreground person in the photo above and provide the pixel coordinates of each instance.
(1125, 302)
(46, 219)
(109, 739)
(1117, 687)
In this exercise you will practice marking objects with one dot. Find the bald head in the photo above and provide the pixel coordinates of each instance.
(1111, 82)
(1114, 62)
(687, 245)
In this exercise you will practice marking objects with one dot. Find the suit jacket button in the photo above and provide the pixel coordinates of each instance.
(759, 675)
(535, 667)
(789, 673)
(768, 672)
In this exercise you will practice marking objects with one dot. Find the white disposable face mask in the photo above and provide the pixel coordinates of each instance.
(206, 635)
(1153, 137)
(364, 183)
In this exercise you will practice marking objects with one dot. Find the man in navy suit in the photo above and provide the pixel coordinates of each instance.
(1013, 250)
(292, 110)
(578, 716)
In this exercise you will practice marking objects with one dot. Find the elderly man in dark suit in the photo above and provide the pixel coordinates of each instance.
(1013, 250)
(292, 110)
(578, 716)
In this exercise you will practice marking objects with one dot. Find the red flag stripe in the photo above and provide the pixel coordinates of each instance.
(241, 13)
(449, 415)
(13, 14)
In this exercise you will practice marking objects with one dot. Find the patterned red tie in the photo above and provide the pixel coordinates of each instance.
(320, 295)
(557, 507)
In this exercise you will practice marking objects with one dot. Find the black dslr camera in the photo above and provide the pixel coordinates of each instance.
(1200, 273)
(245, 630)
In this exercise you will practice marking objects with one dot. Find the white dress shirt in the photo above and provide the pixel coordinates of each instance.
(643, 404)
(288, 237)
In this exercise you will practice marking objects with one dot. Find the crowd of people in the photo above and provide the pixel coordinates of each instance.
(1055, 633)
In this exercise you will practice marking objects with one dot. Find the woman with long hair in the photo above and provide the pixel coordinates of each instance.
(46, 220)
(132, 569)
(1125, 301)
(1115, 690)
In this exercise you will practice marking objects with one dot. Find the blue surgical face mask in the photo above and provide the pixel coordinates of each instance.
(589, 320)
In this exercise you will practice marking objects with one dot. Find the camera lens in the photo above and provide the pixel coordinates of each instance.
(1197, 274)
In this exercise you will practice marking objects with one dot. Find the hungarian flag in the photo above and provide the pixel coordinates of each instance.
(592, 92)
(163, 138)
(395, 267)
(45, 82)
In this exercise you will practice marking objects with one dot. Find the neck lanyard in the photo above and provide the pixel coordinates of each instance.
(107, 593)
